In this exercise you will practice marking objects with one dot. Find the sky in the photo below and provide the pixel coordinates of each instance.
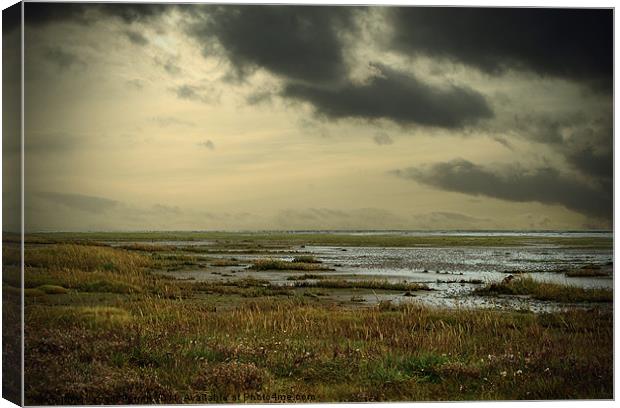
(206, 117)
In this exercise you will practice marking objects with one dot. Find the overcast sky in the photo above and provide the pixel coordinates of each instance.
(291, 117)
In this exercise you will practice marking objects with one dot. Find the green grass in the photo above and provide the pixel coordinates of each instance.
(525, 285)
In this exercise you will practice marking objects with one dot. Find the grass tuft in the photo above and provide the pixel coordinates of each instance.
(279, 265)
(306, 276)
(306, 259)
(525, 285)
(362, 284)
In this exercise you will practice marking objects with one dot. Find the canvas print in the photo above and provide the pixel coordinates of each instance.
(225, 203)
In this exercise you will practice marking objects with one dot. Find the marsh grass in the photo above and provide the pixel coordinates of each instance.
(279, 265)
(307, 276)
(93, 269)
(587, 271)
(173, 341)
(525, 285)
(363, 284)
(148, 247)
(85, 258)
(306, 259)
(272, 345)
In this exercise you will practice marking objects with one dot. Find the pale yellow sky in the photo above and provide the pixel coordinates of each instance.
(139, 125)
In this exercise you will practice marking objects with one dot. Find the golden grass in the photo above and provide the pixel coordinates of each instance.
(93, 317)
(86, 258)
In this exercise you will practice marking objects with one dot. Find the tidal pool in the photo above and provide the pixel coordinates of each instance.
(452, 272)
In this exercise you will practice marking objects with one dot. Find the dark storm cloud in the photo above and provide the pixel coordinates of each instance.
(130, 13)
(598, 164)
(63, 59)
(43, 13)
(587, 146)
(37, 14)
(79, 202)
(396, 96)
(135, 37)
(543, 185)
(573, 44)
(591, 150)
(295, 42)
(305, 47)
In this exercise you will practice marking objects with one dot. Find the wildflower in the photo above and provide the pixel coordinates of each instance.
(503, 373)
(519, 372)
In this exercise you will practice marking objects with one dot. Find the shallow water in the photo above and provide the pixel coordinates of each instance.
(487, 264)
(441, 268)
